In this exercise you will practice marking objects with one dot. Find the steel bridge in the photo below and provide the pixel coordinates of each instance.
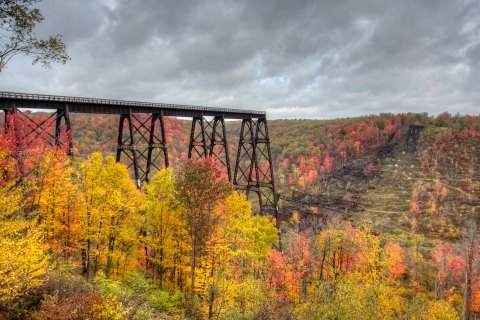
(141, 124)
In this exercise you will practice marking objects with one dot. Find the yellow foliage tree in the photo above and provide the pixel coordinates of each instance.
(23, 263)
(165, 238)
(60, 205)
(111, 218)
(238, 248)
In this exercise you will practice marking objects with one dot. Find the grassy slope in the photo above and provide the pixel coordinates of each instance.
(386, 204)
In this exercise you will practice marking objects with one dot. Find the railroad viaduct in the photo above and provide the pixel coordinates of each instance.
(142, 138)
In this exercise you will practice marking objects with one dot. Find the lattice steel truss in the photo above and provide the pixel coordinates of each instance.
(28, 130)
(209, 139)
(142, 139)
(253, 166)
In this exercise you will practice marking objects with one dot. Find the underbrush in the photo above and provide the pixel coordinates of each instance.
(65, 295)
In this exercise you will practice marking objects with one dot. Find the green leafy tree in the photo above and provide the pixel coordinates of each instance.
(18, 19)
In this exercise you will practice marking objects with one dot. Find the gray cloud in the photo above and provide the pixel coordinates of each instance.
(301, 59)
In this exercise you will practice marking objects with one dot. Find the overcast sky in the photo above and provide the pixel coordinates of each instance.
(294, 59)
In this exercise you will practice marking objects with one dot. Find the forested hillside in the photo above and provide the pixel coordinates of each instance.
(374, 224)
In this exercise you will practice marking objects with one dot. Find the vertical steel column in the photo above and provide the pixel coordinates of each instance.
(133, 147)
(237, 170)
(265, 174)
(150, 145)
(156, 142)
(5, 121)
(65, 114)
(245, 162)
(227, 155)
(58, 119)
(8, 121)
(122, 145)
(220, 139)
(198, 139)
(253, 180)
(164, 139)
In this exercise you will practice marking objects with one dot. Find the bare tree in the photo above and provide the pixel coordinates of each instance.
(18, 19)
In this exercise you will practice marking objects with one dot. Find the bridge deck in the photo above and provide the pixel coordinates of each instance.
(108, 106)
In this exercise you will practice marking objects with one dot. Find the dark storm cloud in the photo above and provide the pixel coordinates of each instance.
(303, 59)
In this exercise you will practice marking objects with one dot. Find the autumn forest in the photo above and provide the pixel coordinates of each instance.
(129, 209)
(373, 224)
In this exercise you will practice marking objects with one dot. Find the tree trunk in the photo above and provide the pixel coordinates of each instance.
(322, 263)
(84, 262)
(111, 245)
(161, 270)
(89, 264)
(212, 291)
(193, 262)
